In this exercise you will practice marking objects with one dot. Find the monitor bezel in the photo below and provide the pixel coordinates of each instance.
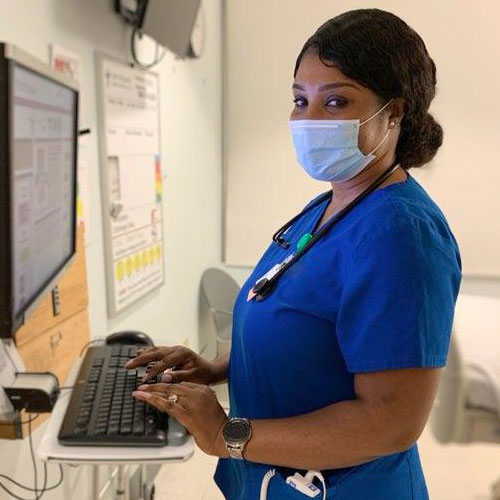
(6, 327)
(15, 56)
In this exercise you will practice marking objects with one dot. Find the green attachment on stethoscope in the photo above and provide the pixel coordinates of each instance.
(303, 241)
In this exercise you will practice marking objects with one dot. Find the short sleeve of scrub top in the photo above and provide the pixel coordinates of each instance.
(377, 292)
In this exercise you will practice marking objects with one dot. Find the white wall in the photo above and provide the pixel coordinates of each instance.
(191, 144)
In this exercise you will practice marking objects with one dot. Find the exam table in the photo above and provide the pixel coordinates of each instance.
(467, 407)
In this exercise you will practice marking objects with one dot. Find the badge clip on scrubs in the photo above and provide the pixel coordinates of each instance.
(265, 284)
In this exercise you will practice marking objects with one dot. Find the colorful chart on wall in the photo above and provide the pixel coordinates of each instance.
(131, 181)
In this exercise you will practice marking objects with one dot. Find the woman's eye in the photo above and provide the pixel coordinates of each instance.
(299, 102)
(335, 102)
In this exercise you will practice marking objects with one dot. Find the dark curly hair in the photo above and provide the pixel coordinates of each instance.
(380, 51)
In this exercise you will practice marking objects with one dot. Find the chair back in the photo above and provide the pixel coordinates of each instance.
(218, 291)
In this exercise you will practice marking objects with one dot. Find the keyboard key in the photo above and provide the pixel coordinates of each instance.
(125, 429)
(138, 428)
(113, 429)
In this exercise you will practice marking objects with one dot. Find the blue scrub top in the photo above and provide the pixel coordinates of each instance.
(377, 292)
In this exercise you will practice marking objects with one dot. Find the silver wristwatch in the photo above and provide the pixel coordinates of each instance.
(236, 433)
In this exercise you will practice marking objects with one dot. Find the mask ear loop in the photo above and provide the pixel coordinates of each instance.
(379, 111)
(373, 116)
(381, 142)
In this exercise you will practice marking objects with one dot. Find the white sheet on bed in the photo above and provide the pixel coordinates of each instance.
(477, 329)
(480, 390)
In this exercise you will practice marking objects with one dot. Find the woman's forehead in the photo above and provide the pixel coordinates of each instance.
(312, 70)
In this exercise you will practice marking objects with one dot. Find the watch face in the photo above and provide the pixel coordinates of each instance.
(236, 431)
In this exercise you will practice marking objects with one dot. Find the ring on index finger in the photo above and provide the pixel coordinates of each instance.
(173, 397)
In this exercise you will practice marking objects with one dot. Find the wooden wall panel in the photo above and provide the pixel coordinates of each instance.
(73, 298)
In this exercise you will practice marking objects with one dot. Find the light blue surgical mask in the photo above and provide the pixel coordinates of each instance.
(328, 149)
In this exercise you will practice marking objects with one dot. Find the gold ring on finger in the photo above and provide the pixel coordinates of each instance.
(173, 398)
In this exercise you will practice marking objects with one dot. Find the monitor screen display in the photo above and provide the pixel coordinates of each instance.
(43, 129)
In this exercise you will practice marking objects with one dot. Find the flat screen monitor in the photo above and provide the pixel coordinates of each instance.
(38, 110)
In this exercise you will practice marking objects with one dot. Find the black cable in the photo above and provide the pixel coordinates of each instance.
(37, 497)
(48, 488)
(35, 472)
(12, 494)
(45, 477)
(27, 488)
(88, 344)
(20, 423)
(38, 493)
(157, 59)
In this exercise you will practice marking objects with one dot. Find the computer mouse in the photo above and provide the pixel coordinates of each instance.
(129, 337)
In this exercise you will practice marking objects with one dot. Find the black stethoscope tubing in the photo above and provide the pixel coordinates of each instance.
(264, 286)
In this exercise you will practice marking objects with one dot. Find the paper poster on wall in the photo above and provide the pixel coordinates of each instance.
(70, 63)
(132, 182)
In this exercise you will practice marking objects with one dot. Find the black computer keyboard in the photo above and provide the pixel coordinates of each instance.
(102, 411)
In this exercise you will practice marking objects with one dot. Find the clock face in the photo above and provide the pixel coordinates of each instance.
(198, 34)
(236, 432)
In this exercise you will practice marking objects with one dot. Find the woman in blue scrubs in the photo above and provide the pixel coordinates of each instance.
(337, 368)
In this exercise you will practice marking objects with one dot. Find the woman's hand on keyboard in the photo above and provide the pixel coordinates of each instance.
(183, 365)
(195, 407)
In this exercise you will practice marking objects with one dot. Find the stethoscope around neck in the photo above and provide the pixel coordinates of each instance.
(266, 283)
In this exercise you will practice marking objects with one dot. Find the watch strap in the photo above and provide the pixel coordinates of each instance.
(235, 451)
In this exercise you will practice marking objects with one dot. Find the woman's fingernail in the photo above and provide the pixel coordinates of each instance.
(142, 387)
(128, 363)
(141, 394)
(166, 377)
